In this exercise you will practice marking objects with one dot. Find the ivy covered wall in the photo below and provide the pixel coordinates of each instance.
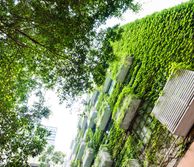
(159, 44)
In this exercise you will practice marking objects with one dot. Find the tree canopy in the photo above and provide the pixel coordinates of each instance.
(57, 43)
(21, 133)
(58, 40)
(50, 157)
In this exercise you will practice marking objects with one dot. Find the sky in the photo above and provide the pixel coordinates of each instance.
(64, 119)
(61, 117)
(147, 7)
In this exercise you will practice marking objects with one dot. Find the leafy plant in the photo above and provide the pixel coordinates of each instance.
(51, 157)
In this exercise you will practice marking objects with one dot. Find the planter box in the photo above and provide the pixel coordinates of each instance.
(81, 150)
(129, 107)
(72, 144)
(103, 159)
(94, 98)
(124, 69)
(104, 119)
(84, 124)
(88, 158)
(107, 85)
(111, 88)
(79, 125)
(91, 121)
(133, 163)
(75, 147)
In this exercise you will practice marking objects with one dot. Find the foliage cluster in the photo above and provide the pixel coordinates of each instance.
(128, 152)
(160, 44)
(94, 139)
(113, 97)
(59, 41)
(111, 100)
(50, 157)
(75, 163)
(22, 135)
(114, 140)
(56, 43)
(121, 103)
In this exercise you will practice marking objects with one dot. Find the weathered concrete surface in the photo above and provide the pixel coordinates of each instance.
(75, 147)
(124, 69)
(133, 163)
(79, 125)
(88, 158)
(103, 121)
(84, 123)
(107, 85)
(94, 98)
(105, 159)
(91, 121)
(130, 112)
(112, 86)
(72, 144)
(81, 150)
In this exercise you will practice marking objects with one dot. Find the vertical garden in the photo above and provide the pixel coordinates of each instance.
(159, 44)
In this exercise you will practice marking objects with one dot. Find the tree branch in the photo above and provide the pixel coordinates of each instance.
(13, 39)
(30, 38)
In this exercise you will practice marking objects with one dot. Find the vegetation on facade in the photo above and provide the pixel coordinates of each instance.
(159, 44)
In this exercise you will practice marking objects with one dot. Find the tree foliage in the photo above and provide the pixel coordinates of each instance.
(50, 157)
(21, 134)
(58, 40)
(55, 42)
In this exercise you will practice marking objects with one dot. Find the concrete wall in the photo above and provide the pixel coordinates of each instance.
(94, 98)
(130, 113)
(81, 150)
(124, 69)
(88, 158)
(107, 85)
(103, 121)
